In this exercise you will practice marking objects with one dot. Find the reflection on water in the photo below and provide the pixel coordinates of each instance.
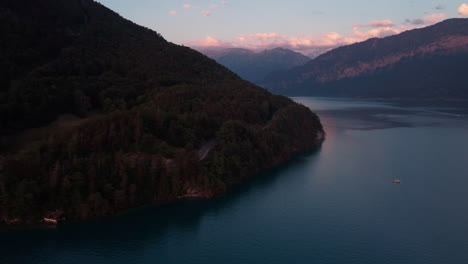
(334, 205)
(368, 115)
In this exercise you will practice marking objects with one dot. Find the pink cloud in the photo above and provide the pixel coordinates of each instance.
(206, 10)
(314, 45)
(173, 13)
(378, 32)
(463, 9)
(210, 41)
(187, 6)
(434, 18)
(206, 13)
(307, 44)
(427, 20)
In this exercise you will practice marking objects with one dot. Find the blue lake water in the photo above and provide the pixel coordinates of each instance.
(334, 205)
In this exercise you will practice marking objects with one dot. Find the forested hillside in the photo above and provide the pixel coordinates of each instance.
(98, 114)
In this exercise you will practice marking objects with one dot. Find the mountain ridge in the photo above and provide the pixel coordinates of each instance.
(253, 65)
(360, 64)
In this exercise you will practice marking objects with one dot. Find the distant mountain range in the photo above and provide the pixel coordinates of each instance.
(255, 66)
(430, 62)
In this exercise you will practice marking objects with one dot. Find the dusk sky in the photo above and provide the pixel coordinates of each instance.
(303, 25)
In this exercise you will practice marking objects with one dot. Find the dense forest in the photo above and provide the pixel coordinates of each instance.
(98, 114)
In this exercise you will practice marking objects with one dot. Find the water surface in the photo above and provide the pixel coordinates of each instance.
(334, 205)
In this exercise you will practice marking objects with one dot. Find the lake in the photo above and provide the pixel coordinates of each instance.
(336, 204)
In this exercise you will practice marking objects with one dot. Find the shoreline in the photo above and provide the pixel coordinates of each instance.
(192, 194)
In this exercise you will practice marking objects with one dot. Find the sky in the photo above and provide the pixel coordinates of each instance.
(307, 26)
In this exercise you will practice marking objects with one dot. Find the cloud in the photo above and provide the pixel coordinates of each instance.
(187, 6)
(427, 20)
(206, 9)
(463, 9)
(379, 32)
(206, 13)
(311, 45)
(376, 24)
(416, 21)
(434, 18)
(210, 41)
(314, 45)
(172, 13)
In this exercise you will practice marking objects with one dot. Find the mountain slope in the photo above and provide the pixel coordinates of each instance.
(99, 114)
(255, 66)
(421, 63)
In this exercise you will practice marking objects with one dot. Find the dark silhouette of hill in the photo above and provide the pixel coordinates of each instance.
(98, 114)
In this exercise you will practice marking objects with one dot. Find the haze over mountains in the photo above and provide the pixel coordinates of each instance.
(429, 62)
(255, 66)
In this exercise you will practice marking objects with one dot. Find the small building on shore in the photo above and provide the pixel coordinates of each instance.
(54, 217)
